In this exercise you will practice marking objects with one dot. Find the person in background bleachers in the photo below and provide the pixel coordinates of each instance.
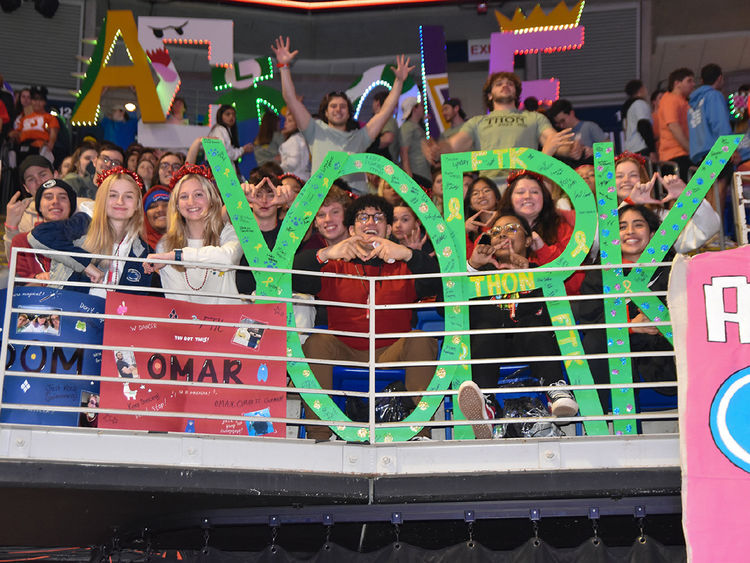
(586, 133)
(454, 114)
(708, 119)
(65, 166)
(674, 143)
(168, 164)
(436, 191)
(132, 156)
(121, 127)
(225, 130)
(636, 121)
(294, 154)
(386, 144)
(37, 131)
(411, 135)
(586, 171)
(177, 112)
(115, 228)
(109, 156)
(268, 140)
(335, 128)
(147, 171)
(656, 97)
(196, 232)
(83, 161)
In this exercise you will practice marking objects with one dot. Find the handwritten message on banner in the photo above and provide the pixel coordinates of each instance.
(193, 352)
(39, 328)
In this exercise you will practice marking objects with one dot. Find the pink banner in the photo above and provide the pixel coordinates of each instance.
(199, 359)
(714, 406)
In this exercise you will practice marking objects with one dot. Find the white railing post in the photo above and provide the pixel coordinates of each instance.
(371, 362)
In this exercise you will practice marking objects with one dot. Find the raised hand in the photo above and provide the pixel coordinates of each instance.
(15, 209)
(641, 193)
(282, 194)
(482, 255)
(557, 140)
(674, 186)
(414, 241)
(388, 251)
(281, 49)
(516, 261)
(536, 241)
(402, 68)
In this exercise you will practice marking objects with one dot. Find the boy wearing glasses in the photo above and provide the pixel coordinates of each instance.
(110, 155)
(368, 252)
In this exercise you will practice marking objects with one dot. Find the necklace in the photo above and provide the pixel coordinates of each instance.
(112, 277)
(205, 277)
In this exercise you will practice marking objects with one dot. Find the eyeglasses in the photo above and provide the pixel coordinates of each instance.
(363, 217)
(108, 162)
(167, 166)
(509, 229)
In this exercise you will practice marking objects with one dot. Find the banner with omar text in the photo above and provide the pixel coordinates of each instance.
(194, 352)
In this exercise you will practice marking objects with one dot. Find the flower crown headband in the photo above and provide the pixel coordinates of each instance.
(186, 169)
(119, 170)
(513, 176)
(632, 155)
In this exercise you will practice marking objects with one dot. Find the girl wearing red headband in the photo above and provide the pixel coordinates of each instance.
(114, 229)
(196, 232)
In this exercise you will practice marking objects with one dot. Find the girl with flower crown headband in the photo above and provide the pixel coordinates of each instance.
(634, 187)
(196, 232)
(115, 228)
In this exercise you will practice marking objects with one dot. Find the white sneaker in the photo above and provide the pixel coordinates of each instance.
(561, 400)
(472, 404)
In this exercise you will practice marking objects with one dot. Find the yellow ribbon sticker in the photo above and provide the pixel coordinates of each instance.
(581, 246)
(454, 206)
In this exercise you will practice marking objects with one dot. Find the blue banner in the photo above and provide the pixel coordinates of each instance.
(41, 328)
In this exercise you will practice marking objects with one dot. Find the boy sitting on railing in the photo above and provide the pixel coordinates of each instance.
(368, 252)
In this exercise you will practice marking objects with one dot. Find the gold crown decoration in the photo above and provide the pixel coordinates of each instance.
(561, 17)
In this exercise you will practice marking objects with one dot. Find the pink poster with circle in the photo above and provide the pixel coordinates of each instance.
(710, 298)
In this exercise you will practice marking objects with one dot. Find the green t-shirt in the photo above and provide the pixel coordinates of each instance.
(411, 136)
(504, 129)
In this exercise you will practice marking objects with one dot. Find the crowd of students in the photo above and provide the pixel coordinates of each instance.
(162, 206)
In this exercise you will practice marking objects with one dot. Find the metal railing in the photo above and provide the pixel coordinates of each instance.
(371, 426)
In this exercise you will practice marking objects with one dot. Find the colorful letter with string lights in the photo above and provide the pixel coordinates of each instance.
(538, 32)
